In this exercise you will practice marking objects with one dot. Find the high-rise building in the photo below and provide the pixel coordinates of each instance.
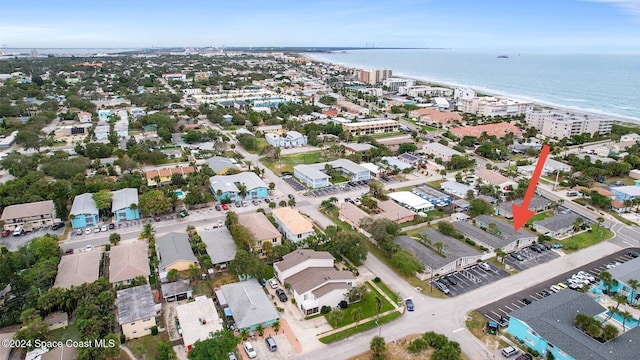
(373, 77)
(560, 125)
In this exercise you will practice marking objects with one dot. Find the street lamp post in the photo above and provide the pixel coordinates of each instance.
(379, 329)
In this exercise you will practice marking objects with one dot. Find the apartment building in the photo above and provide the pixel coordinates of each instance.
(373, 77)
(394, 83)
(371, 127)
(565, 125)
(425, 90)
(493, 106)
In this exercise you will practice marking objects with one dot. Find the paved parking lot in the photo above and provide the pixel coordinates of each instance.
(334, 189)
(501, 308)
(285, 350)
(531, 258)
(295, 184)
(13, 243)
(473, 277)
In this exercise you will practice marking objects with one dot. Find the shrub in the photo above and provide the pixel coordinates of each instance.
(325, 309)
(376, 280)
(123, 339)
(154, 330)
(417, 345)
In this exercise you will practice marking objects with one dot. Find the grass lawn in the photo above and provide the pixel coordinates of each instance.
(539, 216)
(404, 188)
(361, 327)
(626, 180)
(476, 323)
(385, 289)
(386, 135)
(70, 332)
(435, 184)
(287, 162)
(146, 347)
(334, 217)
(368, 306)
(586, 239)
(260, 144)
(202, 287)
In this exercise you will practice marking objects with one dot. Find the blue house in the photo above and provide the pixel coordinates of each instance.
(432, 195)
(121, 205)
(628, 192)
(547, 326)
(84, 211)
(622, 274)
(225, 187)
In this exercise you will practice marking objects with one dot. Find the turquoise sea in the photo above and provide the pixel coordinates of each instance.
(607, 84)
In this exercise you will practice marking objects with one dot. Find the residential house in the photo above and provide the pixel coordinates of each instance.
(496, 179)
(395, 164)
(314, 176)
(261, 228)
(228, 187)
(457, 189)
(413, 160)
(84, 117)
(623, 193)
(432, 195)
(128, 261)
(292, 224)
(221, 165)
(198, 320)
(174, 252)
(29, 216)
(620, 207)
(248, 305)
(548, 327)
(556, 226)
(411, 201)
(271, 129)
(313, 279)
(623, 273)
(124, 205)
(290, 140)
(453, 254)
(57, 320)
(438, 150)
(163, 176)
(510, 240)
(357, 148)
(220, 246)
(84, 211)
(77, 269)
(537, 204)
(136, 311)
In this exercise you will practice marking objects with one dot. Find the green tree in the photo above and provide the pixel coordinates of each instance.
(356, 315)
(406, 262)
(114, 238)
(479, 207)
(154, 202)
(103, 200)
(334, 317)
(407, 148)
(165, 351)
(609, 332)
(218, 346)
(626, 316)
(276, 326)
(378, 347)
(148, 232)
(34, 329)
(633, 284)
(172, 275)
(376, 189)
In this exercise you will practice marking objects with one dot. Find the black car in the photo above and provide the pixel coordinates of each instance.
(452, 280)
(409, 304)
(535, 248)
(633, 254)
(281, 295)
(57, 226)
(291, 196)
(546, 246)
(218, 207)
(517, 256)
(444, 280)
(267, 200)
(526, 301)
(545, 292)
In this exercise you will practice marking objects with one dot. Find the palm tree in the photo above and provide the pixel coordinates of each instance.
(148, 232)
(606, 279)
(626, 316)
(276, 326)
(577, 224)
(493, 228)
(242, 190)
(378, 306)
(377, 347)
(609, 332)
(244, 334)
(600, 220)
(633, 284)
(440, 246)
(260, 329)
(356, 315)
(612, 310)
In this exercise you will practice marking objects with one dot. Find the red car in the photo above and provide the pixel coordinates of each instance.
(6, 233)
(225, 207)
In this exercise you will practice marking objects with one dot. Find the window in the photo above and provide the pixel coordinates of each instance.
(274, 240)
(133, 323)
(260, 243)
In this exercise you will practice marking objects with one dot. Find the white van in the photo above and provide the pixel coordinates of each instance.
(18, 231)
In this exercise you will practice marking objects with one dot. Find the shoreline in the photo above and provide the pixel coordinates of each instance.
(537, 102)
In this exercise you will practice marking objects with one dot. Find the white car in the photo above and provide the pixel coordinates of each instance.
(586, 275)
(88, 248)
(273, 283)
(96, 229)
(485, 266)
(248, 348)
(555, 288)
(103, 228)
(87, 231)
(580, 278)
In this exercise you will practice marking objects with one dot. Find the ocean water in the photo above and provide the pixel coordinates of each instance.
(599, 83)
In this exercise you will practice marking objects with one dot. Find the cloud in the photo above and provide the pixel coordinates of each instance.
(631, 7)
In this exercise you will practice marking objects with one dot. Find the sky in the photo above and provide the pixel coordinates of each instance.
(539, 25)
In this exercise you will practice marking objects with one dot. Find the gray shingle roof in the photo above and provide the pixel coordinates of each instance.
(627, 271)
(558, 222)
(220, 245)
(219, 163)
(476, 234)
(505, 228)
(300, 255)
(552, 318)
(535, 204)
(173, 247)
(314, 277)
(40, 208)
(134, 304)
(84, 204)
(453, 249)
(175, 288)
(248, 303)
(123, 198)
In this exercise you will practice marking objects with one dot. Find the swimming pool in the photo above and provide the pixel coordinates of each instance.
(629, 324)
(180, 194)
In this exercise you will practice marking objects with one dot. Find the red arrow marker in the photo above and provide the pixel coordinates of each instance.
(521, 213)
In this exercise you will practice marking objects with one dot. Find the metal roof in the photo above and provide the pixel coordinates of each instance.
(123, 198)
(84, 204)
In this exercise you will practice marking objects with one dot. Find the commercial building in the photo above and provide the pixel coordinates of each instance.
(124, 205)
(248, 304)
(220, 246)
(559, 225)
(371, 127)
(548, 327)
(453, 255)
(261, 228)
(29, 216)
(373, 77)
(77, 269)
(314, 176)
(84, 211)
(440, 151)
(228, 187)
(411, 201)
(198, 320)
(314, 281)
(136, 311)
(493, 106)
(558, 125)
(457, 189)
(128, 261)
(292, 224)
(432, 195)
(357, 148)
(174, 252)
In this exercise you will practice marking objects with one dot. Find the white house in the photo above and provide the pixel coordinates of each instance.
(313, 279)
(292, 224)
